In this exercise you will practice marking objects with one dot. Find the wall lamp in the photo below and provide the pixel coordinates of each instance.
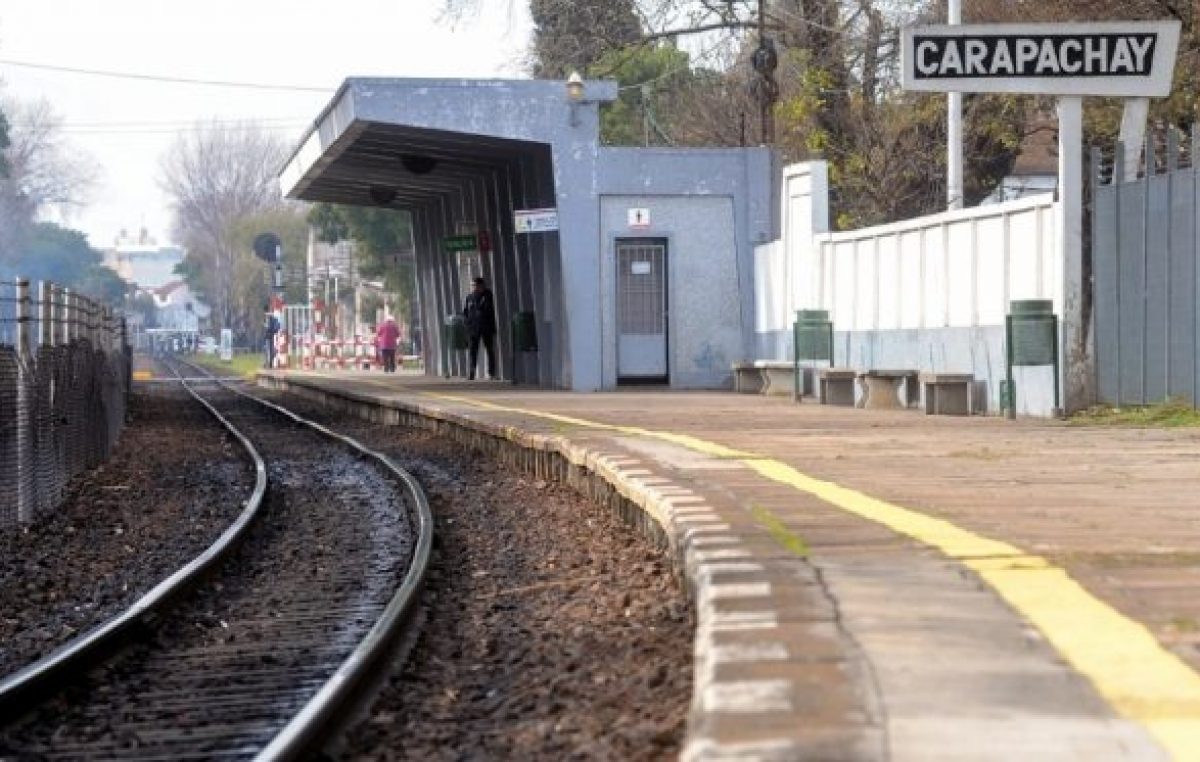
(575, 96)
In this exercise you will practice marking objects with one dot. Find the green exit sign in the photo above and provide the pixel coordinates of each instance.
(466, 242)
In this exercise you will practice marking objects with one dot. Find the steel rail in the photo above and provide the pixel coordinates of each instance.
(49, 673)
(320, 717)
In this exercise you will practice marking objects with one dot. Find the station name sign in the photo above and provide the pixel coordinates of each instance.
(1133, 58)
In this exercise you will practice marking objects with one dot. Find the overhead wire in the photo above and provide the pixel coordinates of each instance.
(179, 122)
(164, 78)
(273, 127)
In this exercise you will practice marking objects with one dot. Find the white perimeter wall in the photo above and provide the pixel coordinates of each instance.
(930, 293)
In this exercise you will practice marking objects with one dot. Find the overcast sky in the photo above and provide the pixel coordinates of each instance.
(125, 125)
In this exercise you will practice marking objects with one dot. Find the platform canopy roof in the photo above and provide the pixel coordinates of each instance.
(405, 142)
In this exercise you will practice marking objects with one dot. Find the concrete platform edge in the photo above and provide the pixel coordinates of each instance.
(815, 708)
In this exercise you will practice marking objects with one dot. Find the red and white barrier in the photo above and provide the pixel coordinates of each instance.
(358, 353)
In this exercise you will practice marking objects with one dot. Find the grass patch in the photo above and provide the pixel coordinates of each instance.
(1173, 413)
(791, 541)
(243, 365)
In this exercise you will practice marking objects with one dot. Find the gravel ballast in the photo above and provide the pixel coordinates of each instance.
(175, 481)
(553, 631)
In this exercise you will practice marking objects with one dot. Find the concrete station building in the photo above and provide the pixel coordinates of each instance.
(637, 264)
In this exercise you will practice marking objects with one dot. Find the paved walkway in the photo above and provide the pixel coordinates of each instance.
(886, 585)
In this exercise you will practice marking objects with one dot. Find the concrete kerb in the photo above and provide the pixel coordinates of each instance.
(764, 623)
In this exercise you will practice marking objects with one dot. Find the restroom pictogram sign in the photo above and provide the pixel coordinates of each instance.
(639, 218)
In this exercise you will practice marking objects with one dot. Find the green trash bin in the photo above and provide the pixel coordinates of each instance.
(812, 339)
(1031, 336)
(455, 332)
(814, 335)
(524, 332)
(1034, 332)
(524, 336)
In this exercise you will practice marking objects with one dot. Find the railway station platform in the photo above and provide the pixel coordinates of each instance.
(882, 584)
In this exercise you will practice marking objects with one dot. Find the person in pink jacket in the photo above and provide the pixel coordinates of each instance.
(385, 339)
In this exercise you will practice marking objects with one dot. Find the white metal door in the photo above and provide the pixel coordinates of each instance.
(642, 309)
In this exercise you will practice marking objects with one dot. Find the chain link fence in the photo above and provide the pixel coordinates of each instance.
(65, 373)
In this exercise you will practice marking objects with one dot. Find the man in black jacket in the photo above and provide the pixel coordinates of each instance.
(479, 313)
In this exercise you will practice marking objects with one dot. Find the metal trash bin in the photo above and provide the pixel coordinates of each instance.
(1031, 336)
(814, 335)
(523, 329)
(1034, 332)
(524, 332)
(455, 331)
(812, 340)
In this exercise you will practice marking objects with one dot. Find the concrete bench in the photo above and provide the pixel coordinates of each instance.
(772, 377)
(835, 386)
(779, 377)
(948, 393)
(880, 389)
(747, 379)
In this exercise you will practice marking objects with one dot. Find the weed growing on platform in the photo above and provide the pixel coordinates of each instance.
(784, 536)
(1174, 413)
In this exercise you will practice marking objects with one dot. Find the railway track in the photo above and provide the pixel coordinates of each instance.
(316, 580)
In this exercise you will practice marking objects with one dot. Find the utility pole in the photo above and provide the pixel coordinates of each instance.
(954, 129)
(763, 87)
(644, 90)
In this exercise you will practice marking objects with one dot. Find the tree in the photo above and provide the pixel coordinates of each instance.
(217, 176)
(102, 284)
(143, 304)
(251, 287)
(838, 90)
(383, 244)
(41, 174)
(4, 144)
(568, 35)
(55, 253)
(1180, 110)
(52, 252)
(838, 100)
(643, 114)
(572, 35)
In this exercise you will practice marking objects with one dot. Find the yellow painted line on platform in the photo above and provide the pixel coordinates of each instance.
(1140, 679)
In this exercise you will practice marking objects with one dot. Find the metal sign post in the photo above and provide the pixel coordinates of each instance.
(954, 126)
(1131, 59)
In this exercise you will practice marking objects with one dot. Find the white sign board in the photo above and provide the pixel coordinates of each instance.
(535, 220)
(639, 219)
(226, 344)
(1119, 58)
(639, 268)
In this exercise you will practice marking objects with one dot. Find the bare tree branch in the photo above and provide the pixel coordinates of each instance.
(216, 176)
